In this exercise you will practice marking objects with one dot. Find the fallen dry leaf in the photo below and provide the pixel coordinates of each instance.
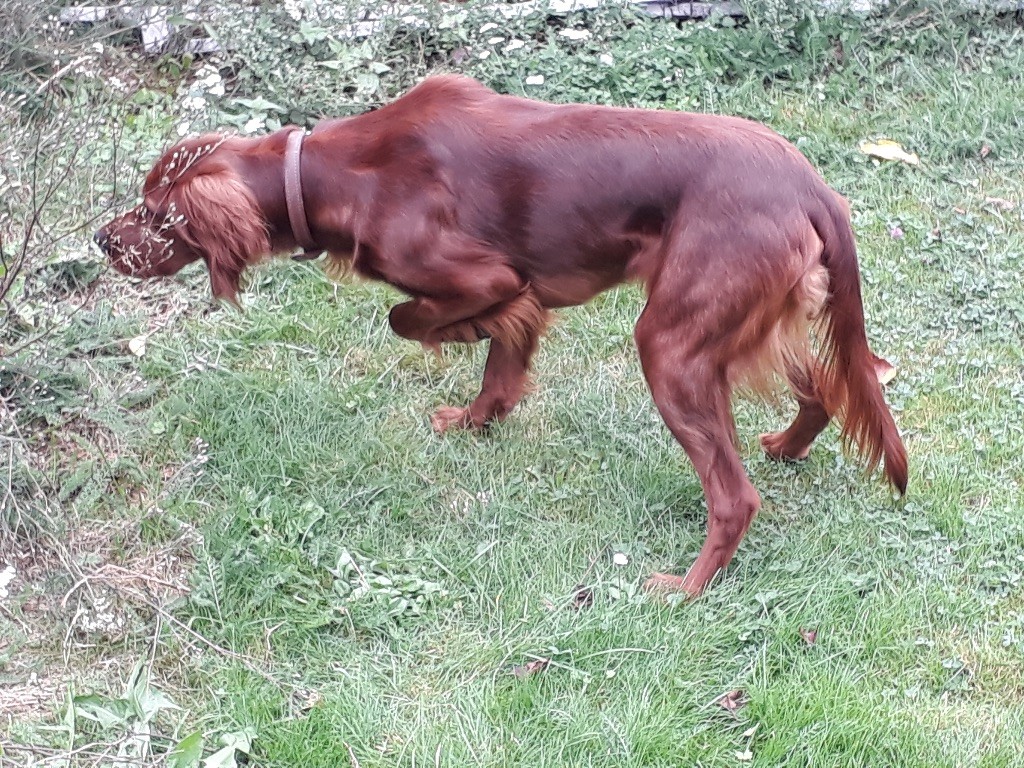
(582, 597)
(1000, 203)
(887, 149)
(732, 700)
(810, 636)
(884, 370)
(137, 346)
(530, 668)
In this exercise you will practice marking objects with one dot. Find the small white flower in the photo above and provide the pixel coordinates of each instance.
(254, 124)
(575, 34)
(294, 9)
(620, 558)
(212, 83)
(483, 55)
(183, 128)
(514, 45)
(606, 59)
(535, 80)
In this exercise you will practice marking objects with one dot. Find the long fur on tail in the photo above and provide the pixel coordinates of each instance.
(847, 376)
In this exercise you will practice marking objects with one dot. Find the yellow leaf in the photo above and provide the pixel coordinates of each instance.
(887, 149)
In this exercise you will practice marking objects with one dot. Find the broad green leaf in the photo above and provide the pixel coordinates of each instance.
(187, 753)
(222, 758)
(241, 740)
(233, 741)
(103, 710)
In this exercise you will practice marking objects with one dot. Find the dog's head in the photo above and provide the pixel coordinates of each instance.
(194, 206)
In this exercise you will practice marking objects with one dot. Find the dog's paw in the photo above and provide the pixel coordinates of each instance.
(664, 584)
(776, 446)
(449, 417)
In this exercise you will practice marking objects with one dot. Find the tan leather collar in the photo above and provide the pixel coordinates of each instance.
(293, 193)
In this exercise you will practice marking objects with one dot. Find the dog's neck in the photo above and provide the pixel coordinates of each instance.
(293, 196)
(334, 197)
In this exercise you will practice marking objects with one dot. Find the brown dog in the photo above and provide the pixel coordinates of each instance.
(488, 211)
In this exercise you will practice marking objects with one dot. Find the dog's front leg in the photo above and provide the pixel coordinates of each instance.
(431, 322)
(467, 293)
(506, 375)
(514, 328)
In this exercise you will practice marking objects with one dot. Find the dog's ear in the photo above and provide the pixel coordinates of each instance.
(223, 222)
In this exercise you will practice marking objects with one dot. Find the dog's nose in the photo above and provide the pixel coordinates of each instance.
(101, 238)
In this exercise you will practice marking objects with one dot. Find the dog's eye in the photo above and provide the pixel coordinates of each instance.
(154, 216)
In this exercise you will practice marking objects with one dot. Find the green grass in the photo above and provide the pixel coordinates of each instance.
(316, 442)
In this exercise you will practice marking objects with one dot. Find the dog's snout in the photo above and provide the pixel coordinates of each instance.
(102, 239)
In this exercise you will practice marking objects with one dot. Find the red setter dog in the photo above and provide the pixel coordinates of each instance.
(489, 211)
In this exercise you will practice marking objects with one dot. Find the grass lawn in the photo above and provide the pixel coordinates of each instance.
(283, 545)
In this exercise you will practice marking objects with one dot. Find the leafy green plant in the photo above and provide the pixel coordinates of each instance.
(128, 729)
(376, 594)
(128, 721)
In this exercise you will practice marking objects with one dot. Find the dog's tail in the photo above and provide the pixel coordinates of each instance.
(849, 375)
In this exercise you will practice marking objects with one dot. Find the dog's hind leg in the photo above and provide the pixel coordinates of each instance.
(795, 442)
(692, 392)
(723, 312)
